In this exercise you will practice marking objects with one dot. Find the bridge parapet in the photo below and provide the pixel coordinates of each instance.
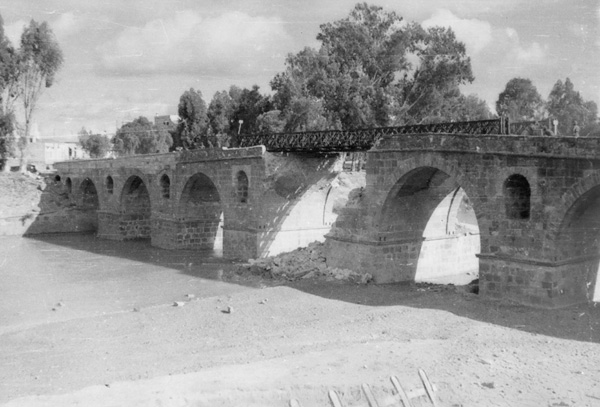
(541, 146)
(214, 154)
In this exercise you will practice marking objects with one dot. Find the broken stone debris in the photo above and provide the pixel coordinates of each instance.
(303, 263)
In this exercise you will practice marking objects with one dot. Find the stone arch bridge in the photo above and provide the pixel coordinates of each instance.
(535, 201)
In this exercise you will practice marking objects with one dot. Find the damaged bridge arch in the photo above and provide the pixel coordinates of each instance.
(408, 216)
(534, 200)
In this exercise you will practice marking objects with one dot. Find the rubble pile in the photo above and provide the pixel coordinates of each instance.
(302, 263)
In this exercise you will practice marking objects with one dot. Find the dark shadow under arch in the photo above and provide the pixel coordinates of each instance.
(136, 209)
(579, 238)
(200, 215)
(88, 195)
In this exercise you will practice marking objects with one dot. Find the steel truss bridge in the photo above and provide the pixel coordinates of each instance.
(365, 139)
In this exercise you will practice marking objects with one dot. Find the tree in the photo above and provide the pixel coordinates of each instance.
(220, 113)
(520, 101)
(373, 70)
(249, 104)
(567, 106)
(97, 145)
(39, 59)
(458, 107)
(270, 122)
(8, 74)
(192, 130)
(7, 141)
(141, 137)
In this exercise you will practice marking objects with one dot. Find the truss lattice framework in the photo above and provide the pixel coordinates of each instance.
(364, 139)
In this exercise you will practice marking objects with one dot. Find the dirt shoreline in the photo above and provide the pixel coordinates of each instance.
(117, 339)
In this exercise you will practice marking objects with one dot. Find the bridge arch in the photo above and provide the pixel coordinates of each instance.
(569, 199)
(578, 242)
(578, 235)
(69, 185)
(432, 218)
(136, 209)
(200, 211)
(88, 195)
(395, 181)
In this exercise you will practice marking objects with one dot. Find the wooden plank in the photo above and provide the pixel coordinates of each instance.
(419, 392)
(335, 400)
(403, 396)
(428, 387)
(369, 395)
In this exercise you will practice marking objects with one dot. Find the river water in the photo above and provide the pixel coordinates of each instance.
(51, 278)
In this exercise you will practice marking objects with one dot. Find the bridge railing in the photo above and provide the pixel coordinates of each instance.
(365, 139)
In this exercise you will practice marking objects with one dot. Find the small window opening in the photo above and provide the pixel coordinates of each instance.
(110, 185)
(165, 186)
(242, 187)
(517, 195)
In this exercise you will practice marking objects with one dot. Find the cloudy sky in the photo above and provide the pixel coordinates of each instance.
(129, 58)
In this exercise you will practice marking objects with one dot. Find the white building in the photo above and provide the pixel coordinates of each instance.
(44, 153)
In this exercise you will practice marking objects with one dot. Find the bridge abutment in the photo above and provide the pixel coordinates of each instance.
(538, 283)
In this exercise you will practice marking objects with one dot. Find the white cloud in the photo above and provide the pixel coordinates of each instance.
(481, 38)
(230, 43)
(532, 54)
(598, 15)
(515, 52)
(476, 34)
(67, 24)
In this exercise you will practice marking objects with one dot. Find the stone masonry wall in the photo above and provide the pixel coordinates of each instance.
(558, 172)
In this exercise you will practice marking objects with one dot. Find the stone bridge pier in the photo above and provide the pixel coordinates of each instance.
(536, 202)
(239, 203)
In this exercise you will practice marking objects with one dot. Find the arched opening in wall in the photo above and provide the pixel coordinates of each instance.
(430, 230)
(201, 215)
(578, 244)
(89, 195)
(136, 209)
(69, 185)
(110, 185)
(57, 178)
(88, 204)
(517, 197)
(165, 186)
(242, 187)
